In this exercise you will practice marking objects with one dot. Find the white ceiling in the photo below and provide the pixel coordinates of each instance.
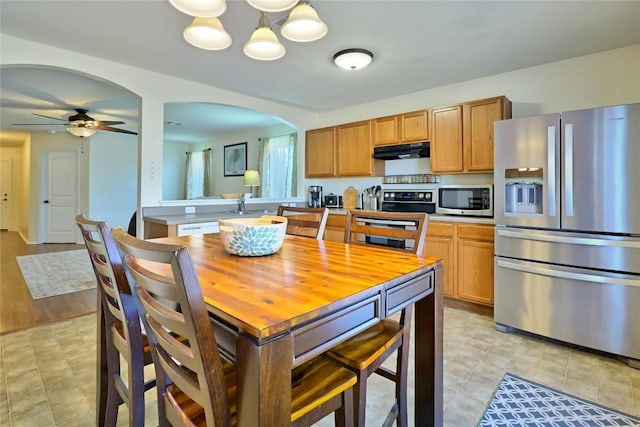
(417, 45)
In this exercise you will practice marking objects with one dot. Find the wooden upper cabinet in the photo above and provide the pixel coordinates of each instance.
(446, 139)
(413, 126)
(400, 128)
(386, 130)
(478, 119)
(320, 152)
(355, 149)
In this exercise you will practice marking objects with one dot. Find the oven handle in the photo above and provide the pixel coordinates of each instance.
(572, 240)
(567, 274)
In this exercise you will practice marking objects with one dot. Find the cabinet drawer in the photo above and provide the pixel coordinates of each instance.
(475, 232)
(336, 220)
(436, 228)
(198, 228)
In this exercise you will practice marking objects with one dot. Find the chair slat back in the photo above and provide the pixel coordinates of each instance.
(306, 222)
(406, 226)
(167, 286)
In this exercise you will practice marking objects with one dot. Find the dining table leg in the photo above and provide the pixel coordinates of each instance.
(264, 381)
(428, 356)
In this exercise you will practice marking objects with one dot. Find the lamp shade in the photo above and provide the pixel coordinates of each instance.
(353, 59)
(272, 5)
(303, 24)
(82, 132)
(251, 177)
(201, 8)
(264, 44)
(207, 33)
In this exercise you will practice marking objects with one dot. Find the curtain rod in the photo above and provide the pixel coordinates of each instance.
(206, 149)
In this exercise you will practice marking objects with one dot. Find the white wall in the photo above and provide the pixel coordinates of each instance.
(113, 177)
(174, 169)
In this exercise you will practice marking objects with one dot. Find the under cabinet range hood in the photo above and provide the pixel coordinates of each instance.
(413, 150)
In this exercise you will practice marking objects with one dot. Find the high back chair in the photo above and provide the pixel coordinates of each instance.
(307, 222)
(195, 385)
(123, 335)
(366, 352)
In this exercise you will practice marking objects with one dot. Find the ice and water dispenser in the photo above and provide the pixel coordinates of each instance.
(523, 190)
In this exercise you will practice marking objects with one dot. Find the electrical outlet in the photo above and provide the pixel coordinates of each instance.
(190, 209)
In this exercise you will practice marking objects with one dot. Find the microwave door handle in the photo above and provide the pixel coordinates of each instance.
(551, 169)
(568, 169)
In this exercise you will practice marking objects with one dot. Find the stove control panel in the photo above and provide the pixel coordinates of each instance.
(408, 196)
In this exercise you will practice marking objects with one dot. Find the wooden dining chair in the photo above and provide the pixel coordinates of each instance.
(195, 385)
(307, 222)
(123, 337)
(366, 352)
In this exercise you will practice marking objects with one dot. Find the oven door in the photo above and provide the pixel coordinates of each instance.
(390, 243)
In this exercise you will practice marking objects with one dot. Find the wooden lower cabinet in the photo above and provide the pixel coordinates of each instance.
(334, 230)
(467, 253)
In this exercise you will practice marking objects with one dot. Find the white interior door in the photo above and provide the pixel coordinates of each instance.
(6, 193)
(62, 199)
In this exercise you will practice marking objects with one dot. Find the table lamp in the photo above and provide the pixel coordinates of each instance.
(251, 179)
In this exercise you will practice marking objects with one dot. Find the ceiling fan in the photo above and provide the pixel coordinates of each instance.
(81, 124)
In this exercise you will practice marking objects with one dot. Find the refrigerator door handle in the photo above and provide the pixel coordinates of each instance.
(568, 169)
(567, 274)
(590, 241)
(551, 168)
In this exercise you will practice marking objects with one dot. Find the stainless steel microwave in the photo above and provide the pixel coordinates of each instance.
(468, 200)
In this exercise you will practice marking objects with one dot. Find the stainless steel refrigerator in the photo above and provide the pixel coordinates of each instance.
(567, 239)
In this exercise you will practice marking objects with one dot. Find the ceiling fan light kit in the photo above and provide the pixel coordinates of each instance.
(207, 33)
(201, 8)
(206, 30)
(82, 132)
(353, 59)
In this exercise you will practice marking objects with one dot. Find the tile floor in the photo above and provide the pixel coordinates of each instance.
(47, 374)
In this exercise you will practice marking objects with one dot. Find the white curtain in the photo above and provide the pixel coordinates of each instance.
(277, 166)
(199, 172)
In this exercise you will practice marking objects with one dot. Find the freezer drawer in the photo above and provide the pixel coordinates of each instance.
(605, 252)
(580, 306)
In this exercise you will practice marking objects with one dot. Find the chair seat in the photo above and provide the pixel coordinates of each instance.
(368, 346)
(312, 384)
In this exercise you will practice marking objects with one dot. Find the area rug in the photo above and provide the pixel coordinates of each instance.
(519, 402)
(57, 273)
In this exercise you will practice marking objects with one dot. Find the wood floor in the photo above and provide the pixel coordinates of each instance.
(17, 309)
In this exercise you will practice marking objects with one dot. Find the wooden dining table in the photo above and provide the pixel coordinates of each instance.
(274, 312)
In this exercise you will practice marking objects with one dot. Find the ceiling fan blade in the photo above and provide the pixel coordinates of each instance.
(39, 124)
(110, 129)
(48, 117)
(107, 123)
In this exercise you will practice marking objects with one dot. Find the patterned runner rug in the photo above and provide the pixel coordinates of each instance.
(57, 273)
(519, 402)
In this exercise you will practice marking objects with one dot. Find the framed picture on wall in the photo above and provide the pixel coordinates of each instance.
(235, 159)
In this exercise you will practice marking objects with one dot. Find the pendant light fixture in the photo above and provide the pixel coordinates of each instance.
(81, 131)
(353, 59)
(303, 24)
(201, 8)
(264, 44)
(272, 5)
(207, 33)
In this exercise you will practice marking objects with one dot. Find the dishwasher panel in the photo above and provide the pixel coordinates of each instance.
(586, 307)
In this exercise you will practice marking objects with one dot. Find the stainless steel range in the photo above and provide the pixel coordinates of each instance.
(409, 200)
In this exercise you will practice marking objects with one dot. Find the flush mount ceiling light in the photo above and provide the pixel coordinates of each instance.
(272, 5)
(81, 131)
(353, 59)
(201, 8)
(206, 30)
(303, 24)
(207, 33)
(264, 44)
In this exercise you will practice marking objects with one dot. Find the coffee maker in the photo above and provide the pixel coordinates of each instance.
(315, 196)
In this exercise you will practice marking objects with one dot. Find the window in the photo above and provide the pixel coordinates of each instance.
(277, 166)
(197, 181)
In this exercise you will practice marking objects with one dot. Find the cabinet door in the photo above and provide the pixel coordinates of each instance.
(385, 130)
(334, 230)
(355, 149)
(475, 263)
(320, 152)
(439, 243)
(478, 119)
(413, 126)
(446, 139)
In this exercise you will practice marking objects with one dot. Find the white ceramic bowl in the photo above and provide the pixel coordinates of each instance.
(253, 236)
